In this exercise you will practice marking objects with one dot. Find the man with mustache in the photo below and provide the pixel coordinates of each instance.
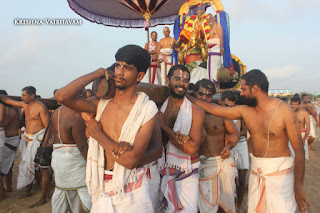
(182, 124)
(216, 168)
(37, 120)
(275, 183)
(304, 121)
(118, 161)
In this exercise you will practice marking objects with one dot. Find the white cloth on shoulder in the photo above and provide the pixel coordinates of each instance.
(217, 184)
(183, 187)
(241, 154)
(70, 177)
(9, 153)
(142, 111)
(271, 185)
(28, 148)
(175, 158)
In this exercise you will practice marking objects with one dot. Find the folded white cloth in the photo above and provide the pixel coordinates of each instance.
(217, 184)
(70, 177)
(28, 148)
(175, 158)
(271, 185)
(9, 153)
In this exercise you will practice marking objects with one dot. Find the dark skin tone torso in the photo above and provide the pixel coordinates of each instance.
(214, 142)
(112, 120)
(72, 129)
(12, 125)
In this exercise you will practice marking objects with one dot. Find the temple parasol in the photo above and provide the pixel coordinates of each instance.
(130, 13)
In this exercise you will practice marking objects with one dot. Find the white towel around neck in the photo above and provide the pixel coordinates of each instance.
(175, 158)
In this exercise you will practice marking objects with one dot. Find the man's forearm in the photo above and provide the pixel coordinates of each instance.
(299, 168)
(71, 90)
(126, 159)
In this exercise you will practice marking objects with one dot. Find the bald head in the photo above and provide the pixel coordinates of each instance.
(166, 31)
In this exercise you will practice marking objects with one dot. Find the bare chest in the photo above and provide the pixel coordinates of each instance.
(261, 125)
(113, 119)
(166, 42)
(170, 116)
(214, 125)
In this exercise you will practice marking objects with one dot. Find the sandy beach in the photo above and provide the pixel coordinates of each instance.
(12, 203)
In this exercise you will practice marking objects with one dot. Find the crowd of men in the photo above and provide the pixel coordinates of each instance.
(186, 155)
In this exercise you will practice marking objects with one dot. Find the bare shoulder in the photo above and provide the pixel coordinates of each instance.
(197, 111)
(39, 105)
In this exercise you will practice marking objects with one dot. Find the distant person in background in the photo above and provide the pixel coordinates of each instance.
(309, 107)
(304, 122)
(240, 151)
(153, 49)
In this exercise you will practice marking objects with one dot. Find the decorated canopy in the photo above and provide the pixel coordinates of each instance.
(129, 13)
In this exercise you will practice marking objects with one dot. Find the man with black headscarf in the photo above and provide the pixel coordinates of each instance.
(120, 135)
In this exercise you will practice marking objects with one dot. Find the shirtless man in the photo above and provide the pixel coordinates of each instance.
(153, 49)
(11, 126)
(120, 134)
(309, 107)
(240, 151)
(2, 141)
(271, 124)
(165, 54)
(216, 166)
(70, 146)
(215, 47)
(37, 119)
(182, 125)
(304, 121)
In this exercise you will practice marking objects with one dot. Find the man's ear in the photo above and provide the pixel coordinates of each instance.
(254, 89)
(33, 96)
(167, 81)
(140, 76)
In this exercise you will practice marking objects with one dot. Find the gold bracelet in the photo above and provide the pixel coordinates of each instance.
(106, 74)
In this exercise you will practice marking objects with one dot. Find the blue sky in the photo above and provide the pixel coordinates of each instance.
(282, 38)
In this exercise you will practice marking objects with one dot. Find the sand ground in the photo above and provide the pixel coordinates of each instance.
(12, 203)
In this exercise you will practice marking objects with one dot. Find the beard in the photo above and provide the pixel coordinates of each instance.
(251, 101)
(177, 95)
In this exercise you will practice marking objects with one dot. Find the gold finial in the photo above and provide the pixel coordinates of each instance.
(147, 16)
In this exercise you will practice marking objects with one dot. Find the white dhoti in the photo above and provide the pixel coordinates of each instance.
(154, 188)
(28, 148)
(214, 58)
(197, 74)
(129, 190)
(312, 127)
(69, 168)
(9, 153)
(180, 190)
(137, 191)
(165, 63)
(217, 184)
(2, 141)
(271, 185)
(241, 154)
